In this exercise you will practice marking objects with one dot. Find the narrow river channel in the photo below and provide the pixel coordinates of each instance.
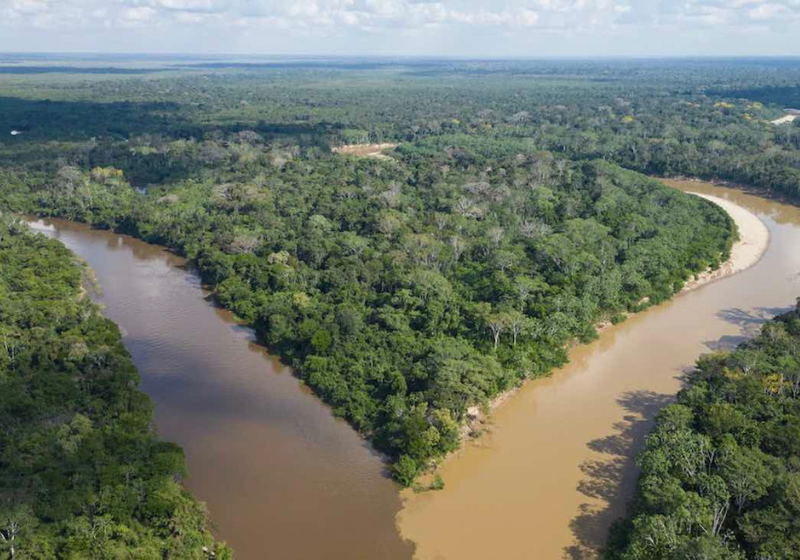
(284, 479)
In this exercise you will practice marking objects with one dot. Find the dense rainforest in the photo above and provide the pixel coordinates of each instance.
(82, 474)
(406, 288)
(405, 291)
(721, 470)
(700, 118)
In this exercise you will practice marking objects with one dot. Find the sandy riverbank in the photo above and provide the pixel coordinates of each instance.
(784, 120)
(753, 242)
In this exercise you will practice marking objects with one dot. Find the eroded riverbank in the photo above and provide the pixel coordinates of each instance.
(557, 467)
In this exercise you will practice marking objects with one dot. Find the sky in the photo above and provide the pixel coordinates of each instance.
(449, 28)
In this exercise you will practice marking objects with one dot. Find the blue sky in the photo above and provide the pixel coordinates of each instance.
(503, 28)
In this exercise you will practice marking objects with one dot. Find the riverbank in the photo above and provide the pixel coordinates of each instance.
(753, 241)
(746, 252)
(555, 467)
(103, 430)
(255, 437)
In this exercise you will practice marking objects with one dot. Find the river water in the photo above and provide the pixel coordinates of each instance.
(284, 479)
(557, 467)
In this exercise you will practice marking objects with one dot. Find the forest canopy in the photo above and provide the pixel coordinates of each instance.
(405, 291)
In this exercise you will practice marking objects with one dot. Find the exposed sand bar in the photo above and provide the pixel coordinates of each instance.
(746, 252)
(557, 466)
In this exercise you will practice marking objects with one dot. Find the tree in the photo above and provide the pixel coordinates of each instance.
(747, 476)
(713, 489)
(496, 235)
(497, 324)
(504, 260)
(321, 341)
(17, 521)
(458, 245)
(527, 287)
(245, 242)
(517, 323)
(68, 179)
(405, 470)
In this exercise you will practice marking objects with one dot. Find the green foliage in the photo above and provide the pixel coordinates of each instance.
(82, 475)
(406, 289)
(481, 280)
(720, 471)
(405, 470)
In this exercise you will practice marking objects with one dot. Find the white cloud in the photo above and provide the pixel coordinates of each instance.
(376, 13)
(767, 11)
(139, 14)
(188, 5)
(451, 24)
(715, 12)
(24, 7)
(529, 18)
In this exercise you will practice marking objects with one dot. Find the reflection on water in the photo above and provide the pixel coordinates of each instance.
(558, 468)
(283, 479)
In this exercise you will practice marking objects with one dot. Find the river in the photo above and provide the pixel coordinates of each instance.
(557, 467)
(284, 479)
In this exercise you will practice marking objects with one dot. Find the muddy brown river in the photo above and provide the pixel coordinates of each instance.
(557, 468)
(284, 479)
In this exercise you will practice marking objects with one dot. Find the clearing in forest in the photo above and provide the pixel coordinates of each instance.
(784, 120)
(365, 150)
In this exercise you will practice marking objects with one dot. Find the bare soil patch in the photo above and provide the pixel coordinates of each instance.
(365, 150)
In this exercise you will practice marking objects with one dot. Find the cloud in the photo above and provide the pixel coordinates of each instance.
(714, 12)
(138, 14)
(208, 6)
(287, 25)
(24, 7)
(767, 11)
(372, 13)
